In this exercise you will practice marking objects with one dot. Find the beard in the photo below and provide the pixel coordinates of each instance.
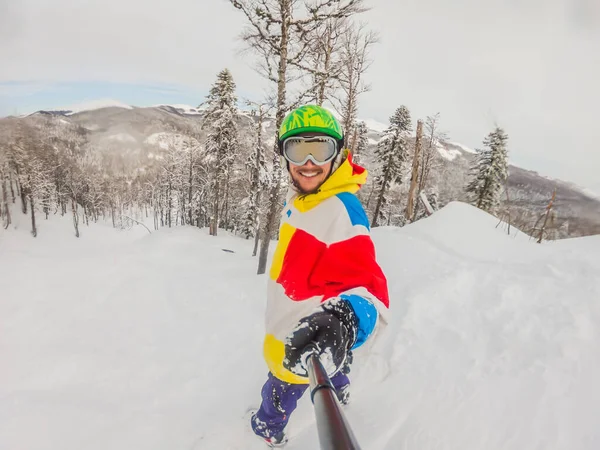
(298, 188)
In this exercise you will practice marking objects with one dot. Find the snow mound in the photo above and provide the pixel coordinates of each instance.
(156, 340)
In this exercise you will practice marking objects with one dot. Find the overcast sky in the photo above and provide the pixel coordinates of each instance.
(531, 66)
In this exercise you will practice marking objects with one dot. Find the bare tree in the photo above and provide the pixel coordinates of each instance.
(547, 218)
(354, 62)
(434, 137)
(324, 58)
(279, 33)
(415, 172)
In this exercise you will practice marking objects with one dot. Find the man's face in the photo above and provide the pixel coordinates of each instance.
(309, 177)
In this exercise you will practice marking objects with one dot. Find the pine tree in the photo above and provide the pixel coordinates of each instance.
(489, 171)
(362, 142)
(258, 180)
(221, 144)
(391, 153)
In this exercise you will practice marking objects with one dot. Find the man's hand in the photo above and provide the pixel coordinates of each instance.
(330, 332)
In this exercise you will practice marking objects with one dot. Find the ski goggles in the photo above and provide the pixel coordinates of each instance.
(319, 149)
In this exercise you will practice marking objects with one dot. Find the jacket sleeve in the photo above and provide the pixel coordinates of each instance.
(348, 269)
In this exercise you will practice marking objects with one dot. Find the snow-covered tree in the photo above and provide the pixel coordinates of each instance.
(362, 142)
(257, 176)
(429, 160)
(391, 152)
(221, 144)
(489, 171)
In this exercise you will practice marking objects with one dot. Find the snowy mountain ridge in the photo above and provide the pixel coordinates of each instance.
(122, 131)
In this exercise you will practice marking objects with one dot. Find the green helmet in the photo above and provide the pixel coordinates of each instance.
(310, 118)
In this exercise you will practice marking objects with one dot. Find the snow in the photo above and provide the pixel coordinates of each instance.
(446, 153)
(94, 104)
(128, 340)
(160, 139)
(122, 137)
(165, 139)
(463, 147)
(374, 125)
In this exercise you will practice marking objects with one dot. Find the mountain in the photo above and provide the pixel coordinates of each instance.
(87, 106)
(131, 132)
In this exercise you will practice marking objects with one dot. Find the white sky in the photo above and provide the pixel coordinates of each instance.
(532, 66)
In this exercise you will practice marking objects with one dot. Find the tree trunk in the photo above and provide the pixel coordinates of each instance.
(415, 173)
(349, 116)
(75, 216)
(169, 203)
(47, 205)
(227, 200)
(23, 197)
(17, 184)
(270, 225)
(256, 238)
(33, 227)
(508, 206)
(374, 222)
(323, 82)
(10, 181)
(548, 209)
(286, 12)
(353, 144)
(483, 193)
(5, 208)
(215, 217)
(190, 184)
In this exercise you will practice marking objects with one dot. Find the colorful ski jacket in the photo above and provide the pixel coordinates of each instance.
(324, 251)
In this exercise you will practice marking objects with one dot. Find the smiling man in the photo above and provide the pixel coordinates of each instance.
(326, 292)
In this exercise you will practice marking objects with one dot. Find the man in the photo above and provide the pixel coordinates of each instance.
(326, 292)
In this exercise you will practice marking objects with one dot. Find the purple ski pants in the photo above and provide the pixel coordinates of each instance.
(279, 400)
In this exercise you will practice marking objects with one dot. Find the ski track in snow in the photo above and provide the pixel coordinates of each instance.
(127, 340)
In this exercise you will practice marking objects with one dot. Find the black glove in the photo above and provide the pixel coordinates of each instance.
(331, 332)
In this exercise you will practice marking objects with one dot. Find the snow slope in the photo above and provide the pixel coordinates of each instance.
(126, 340)
(463, 147)
(374, 125)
